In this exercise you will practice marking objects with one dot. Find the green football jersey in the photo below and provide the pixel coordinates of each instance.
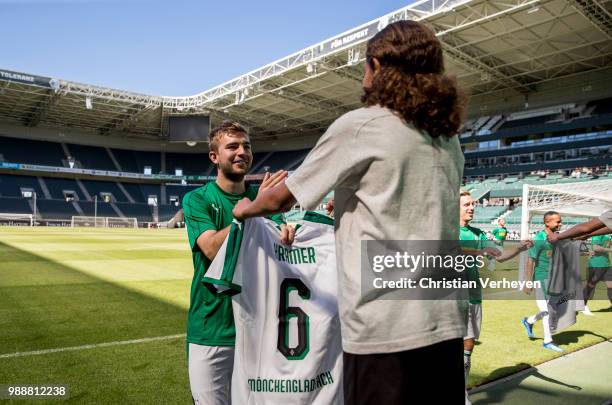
(473, 238)
(601, 259)
(210, 319)
(500, 233)
(541, 253)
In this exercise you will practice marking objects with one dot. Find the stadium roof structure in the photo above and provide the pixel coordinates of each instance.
(492, 46)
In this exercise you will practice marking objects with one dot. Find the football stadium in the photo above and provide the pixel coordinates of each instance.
(96, 263)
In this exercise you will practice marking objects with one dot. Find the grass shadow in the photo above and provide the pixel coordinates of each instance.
(45, 304)
(572, 336)
(498, 394)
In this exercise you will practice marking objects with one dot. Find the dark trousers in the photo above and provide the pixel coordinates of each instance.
(427, 375)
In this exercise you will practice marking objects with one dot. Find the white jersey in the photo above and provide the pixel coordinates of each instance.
(288, 343)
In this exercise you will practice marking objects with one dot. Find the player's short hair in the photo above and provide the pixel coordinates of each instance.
(550, 214)
(225, 127)
(465, 193)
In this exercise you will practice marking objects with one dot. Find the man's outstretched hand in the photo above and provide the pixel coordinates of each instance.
(287, 231)
(553, 237)
(271, 180)
(525, 245)
(239, 209)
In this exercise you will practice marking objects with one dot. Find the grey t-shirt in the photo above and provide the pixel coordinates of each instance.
(391, 182)
(606, 218)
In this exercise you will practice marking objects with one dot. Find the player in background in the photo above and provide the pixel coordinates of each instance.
(208, 216)
(500, 234)
(599, 269)
(474, 242)
(537, 269)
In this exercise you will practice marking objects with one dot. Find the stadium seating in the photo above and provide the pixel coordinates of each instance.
(192, 164)
(135, 162)
(527, 121)
(167, 211)
(135, 191)
(55, 209)
(178, 190)
(501, 151)
(15, 205)
(603, 106)
(274, 161)
(514, 218)
(142, 212)
(150, 189)
(98, 187)
(101, 209)
(91, 157)
(18, 150)
(56, 187)
(485, 215)
(126, 160)
(10, 186)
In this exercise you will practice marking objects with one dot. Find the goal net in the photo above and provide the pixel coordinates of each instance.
(16, 219)
(103, 222)
(576, 203)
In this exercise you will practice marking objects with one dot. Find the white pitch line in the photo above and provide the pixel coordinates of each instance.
(92, 346)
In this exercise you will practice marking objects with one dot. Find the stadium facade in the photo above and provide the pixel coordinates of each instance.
(538, 73)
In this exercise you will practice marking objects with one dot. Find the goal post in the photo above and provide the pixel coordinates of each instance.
(8, 218)
(117, 222)
(78, 221)
(576, 202)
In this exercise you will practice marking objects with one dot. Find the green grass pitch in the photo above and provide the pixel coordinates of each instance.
(61, 288)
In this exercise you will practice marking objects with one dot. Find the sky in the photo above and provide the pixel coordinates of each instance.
(169, 48)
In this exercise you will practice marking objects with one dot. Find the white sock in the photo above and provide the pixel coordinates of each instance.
(546, 326)
(467, 364)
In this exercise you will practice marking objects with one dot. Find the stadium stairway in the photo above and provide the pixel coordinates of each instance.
(117, 210)
(77, 207)
(84, 190)
(113, 159)
(43, 187)
(125, 192)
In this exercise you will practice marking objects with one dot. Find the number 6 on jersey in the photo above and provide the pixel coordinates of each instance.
(285, 313)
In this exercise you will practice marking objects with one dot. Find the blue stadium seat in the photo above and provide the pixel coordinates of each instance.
(18, 150)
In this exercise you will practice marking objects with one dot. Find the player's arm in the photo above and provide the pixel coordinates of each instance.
(578, 231)
(601, 249)
(272, 201)
(511, 253)
(269, 182)
(204, 236)
(210, 242)
(488, 248)
(602, 231)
